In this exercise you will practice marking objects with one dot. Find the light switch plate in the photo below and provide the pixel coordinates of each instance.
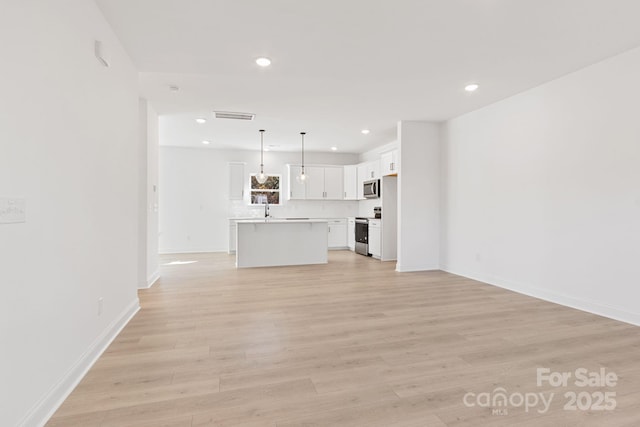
(12, 210)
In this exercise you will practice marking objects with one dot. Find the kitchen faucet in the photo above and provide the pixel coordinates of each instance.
(266, 209)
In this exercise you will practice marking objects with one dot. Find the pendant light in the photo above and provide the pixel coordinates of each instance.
(261, 177)
(302, 177)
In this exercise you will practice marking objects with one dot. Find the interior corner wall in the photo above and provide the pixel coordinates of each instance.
(148, 258)
(68, 146)
(152, 192)
(541, 191)
(142, 192)
(418, 196)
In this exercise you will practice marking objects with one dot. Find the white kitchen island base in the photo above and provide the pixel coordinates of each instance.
(273, 242)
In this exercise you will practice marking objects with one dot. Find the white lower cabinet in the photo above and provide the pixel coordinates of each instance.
(337, 233)
(375, 238)
(351, 233)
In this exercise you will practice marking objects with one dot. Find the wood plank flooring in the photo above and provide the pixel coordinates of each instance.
(351, 343)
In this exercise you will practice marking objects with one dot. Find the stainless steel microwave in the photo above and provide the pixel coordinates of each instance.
(372, 189)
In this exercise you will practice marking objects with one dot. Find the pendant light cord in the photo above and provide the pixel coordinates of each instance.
(303, 134)
(261, 150)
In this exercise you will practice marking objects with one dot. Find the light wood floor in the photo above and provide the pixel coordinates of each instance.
(352, 343)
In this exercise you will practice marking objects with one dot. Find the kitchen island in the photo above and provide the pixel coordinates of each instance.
(274, 242)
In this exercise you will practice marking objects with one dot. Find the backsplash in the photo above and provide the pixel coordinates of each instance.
(296, 208)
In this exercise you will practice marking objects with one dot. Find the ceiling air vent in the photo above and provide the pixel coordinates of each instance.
(234, 116)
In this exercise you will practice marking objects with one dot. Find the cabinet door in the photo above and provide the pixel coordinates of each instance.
(387, 163)
(395, 168)
(362, 177)
(296, 189)
(373, 170)
(337, 234)
(236, 181)
(315, 182)
(350, 182)
(375, 241)
(351, 234)
(334, 183)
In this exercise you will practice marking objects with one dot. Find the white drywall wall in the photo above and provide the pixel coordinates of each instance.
(68, 145)
(541, 191)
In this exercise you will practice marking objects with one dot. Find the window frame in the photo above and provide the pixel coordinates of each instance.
(252, 190)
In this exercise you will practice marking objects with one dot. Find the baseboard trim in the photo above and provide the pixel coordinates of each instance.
(581, 304)
(190, 251)
(151, 280)
(51, 401)
(412, 268)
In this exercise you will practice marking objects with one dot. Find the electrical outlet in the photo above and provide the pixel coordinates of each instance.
(478, 257)
(100, 305)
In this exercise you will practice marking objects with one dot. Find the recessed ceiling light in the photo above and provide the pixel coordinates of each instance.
(471, 87)
(201, 120)
(205, 142)
(334, 148)
(263, 62)
(365, 131)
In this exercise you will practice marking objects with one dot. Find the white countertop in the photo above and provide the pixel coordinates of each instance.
(278, 221)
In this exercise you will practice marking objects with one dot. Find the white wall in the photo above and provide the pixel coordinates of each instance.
(153, 190)
(418, 196)
(542, 194)
(68, 144)
(194, 195)
(148, 262)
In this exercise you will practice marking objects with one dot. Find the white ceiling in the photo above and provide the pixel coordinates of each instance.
(343, 65)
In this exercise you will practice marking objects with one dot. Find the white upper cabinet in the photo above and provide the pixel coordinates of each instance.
(390, 163)
(236, 181)
(351, 182)
(315, 182)
(373, 170)
(296, 190)
(322, 183)
(333, 183)
(361, 178)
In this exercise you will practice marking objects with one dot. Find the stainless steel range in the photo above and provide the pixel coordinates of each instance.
(362, 236)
